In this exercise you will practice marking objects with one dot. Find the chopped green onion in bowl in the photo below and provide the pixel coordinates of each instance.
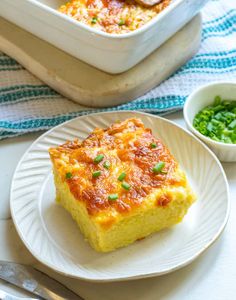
(218, 121)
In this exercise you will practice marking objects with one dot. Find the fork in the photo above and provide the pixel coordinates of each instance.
(7, 296)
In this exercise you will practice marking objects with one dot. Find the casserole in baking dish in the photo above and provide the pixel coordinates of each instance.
(112, 16)
(113, 53)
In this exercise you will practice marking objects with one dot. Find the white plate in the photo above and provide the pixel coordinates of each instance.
(54, 239)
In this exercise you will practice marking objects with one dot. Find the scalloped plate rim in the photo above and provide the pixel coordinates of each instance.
(140, 275)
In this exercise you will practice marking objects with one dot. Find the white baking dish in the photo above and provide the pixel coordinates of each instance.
(108, 52)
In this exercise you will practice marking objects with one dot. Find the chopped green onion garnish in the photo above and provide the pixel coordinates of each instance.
(217, 100)
(94, 20)
(158, 167)
(96, 174)
(122, 176)
(163, 172)
(218, 121)
(153, 145)
(68, 175)
(113, 197)
(106, 164)
(122, 22)
(98, 158)
(232, 125)
(125, 185)
(226, 103)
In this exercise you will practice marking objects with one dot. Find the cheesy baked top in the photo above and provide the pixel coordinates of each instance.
(112, 16)
(113, 171)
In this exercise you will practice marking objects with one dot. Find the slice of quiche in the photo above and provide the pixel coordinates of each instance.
(120, 184)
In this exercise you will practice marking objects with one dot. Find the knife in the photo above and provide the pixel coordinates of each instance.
(36, 282)
(6, 296)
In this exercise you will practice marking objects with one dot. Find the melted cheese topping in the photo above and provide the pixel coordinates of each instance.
(112, 16)
(127, 147)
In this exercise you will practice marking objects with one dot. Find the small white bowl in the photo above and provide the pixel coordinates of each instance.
(199, 99)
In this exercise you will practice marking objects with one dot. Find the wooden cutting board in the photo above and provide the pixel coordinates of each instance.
(89, 86)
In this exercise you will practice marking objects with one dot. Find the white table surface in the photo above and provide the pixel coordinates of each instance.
(211, 277)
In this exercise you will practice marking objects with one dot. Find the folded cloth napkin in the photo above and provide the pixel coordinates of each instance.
(26, 104)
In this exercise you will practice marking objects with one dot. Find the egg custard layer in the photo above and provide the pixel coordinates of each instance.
(120, 184)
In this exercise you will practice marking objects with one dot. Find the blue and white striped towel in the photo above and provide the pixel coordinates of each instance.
(27, 105)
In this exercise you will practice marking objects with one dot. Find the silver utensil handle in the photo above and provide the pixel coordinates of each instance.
(7, 296)
(35, 282)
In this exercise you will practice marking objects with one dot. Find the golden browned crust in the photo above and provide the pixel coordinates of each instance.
(112, 16)
(127, 146)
